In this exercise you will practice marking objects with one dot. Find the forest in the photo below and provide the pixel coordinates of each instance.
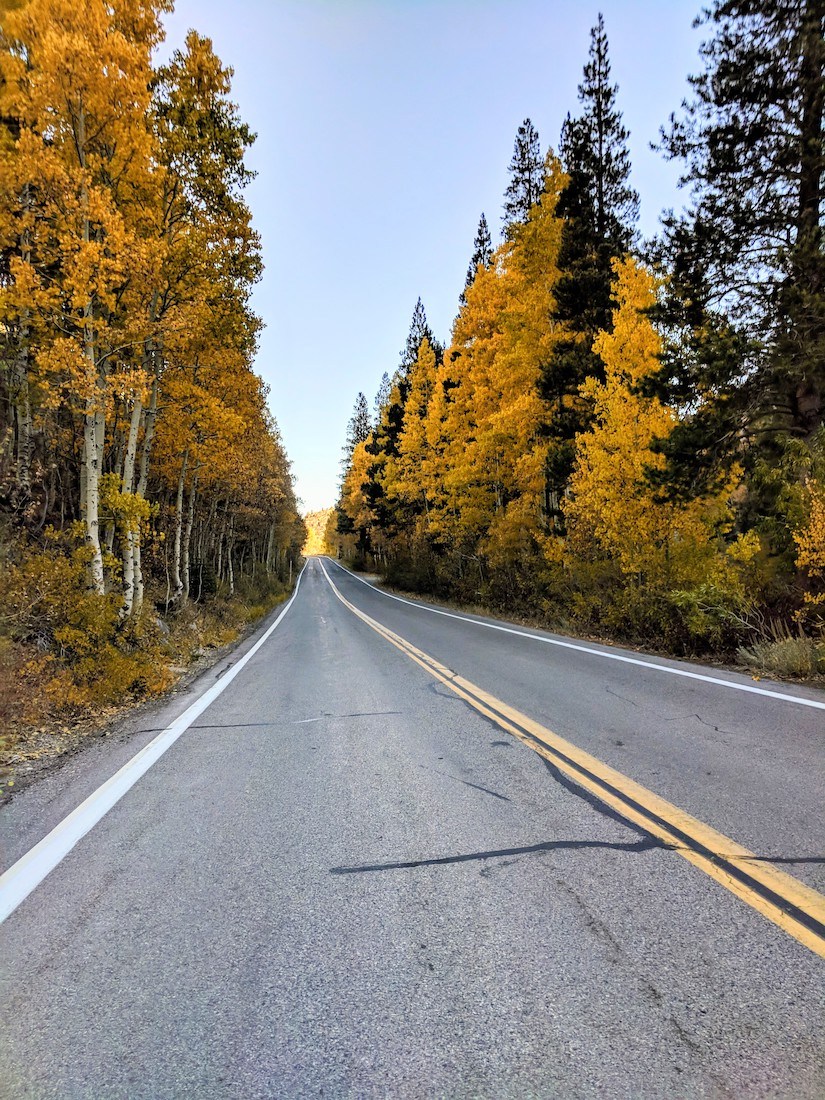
(624, 438)
(147, 508)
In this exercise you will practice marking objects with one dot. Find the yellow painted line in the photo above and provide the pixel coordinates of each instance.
(790, 904)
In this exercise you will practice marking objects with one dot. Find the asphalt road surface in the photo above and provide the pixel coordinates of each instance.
(412, 854)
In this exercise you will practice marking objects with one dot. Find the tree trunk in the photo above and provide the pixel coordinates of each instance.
(187, 539)
(270, 546)
(131, 534)
(229, 548)
(808, 272)
(219, 564)
(23, 417)
(176, 575)
(94, 419)
(149, 417)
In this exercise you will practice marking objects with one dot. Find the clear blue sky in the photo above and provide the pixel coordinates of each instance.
(385, 128)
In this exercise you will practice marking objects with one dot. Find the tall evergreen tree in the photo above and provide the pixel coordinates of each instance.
(384, 439)
(358, 429)
(382, 396)
(482, 254)
(746, 259)
(526, 178)
(419, 331)
(600, 209)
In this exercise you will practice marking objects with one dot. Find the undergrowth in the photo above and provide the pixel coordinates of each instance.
(67, 656)
(785, 653)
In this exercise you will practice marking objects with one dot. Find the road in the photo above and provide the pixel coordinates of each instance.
(411, 854)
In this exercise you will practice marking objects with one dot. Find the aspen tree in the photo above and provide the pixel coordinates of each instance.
(613, 509)
(82, 77)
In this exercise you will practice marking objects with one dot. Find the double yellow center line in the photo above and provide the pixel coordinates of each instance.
(789, 903)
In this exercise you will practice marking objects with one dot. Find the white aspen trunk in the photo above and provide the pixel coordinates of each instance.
(83, 481)
(219, 568)
(92, 512)
(108, 541)
(229, 547)
(176, 577)
(149, 417)
(137, 579)
(91, 449)
(187, 539)
(130, 454)
(130, 537)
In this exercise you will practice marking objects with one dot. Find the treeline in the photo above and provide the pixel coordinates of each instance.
(626, 437)
(316, 524)
(140, 469)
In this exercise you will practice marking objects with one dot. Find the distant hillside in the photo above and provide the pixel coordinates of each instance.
(316, 523)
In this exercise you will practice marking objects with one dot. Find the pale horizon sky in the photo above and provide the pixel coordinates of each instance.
(385, 128)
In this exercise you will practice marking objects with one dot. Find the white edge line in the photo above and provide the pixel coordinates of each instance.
(29, 871)
(607, 655)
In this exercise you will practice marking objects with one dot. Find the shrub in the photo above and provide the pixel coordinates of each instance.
(786, 653)
(83, 655)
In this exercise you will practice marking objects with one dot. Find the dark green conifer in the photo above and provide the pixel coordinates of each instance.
(526, 178)
(747, 307)
(381, 397)
(358, 429)
(385, 437)
(600, 209)
(482, 254)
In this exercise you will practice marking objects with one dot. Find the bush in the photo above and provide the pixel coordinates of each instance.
(82, 655)
(794, 655)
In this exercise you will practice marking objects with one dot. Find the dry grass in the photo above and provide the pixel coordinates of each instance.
(786, 655)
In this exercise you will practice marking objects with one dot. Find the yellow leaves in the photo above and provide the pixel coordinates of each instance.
(613, 511)
(407, 476)
(810, 546)
(501, 340)
(127, 510)
(631, 351)
(745, 548)
(352, 497)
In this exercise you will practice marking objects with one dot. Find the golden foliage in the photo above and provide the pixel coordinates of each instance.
(316, 525)
(810, 547)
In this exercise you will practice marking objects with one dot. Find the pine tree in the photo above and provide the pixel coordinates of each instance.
(482, 254)
(358, 429)
(383, 442)
(746, 260)
(381, 397)
(600, 209)
(419, 331)
(526, 178)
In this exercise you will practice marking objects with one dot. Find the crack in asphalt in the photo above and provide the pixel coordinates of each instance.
(624, 698)
(675, 718)
(703, 721)
(265, 725)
